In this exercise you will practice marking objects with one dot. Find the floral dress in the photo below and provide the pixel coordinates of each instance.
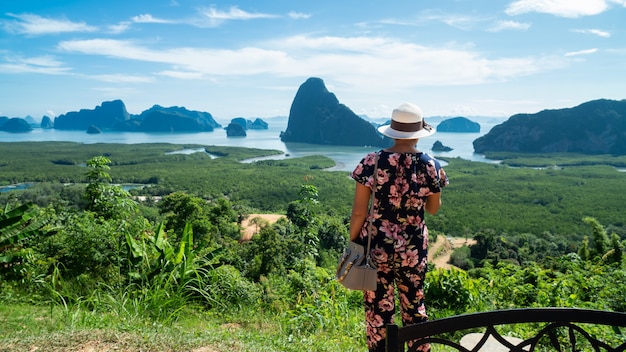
(399, 245)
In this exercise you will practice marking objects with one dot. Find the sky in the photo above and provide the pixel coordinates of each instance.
(248, 58)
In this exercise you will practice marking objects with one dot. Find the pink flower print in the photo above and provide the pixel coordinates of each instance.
(414, 221)
(370, 159)
(407, 319)
(410, 258)
(374, 320)
(395, 197)
(379, 255)
(420, 296)
(383, 177)
(369, 296)
(416, 279)
(415, 202)
(422, 310)
(432, 171)
(393, 159)
(408, 162)
(424, 192)
(425, 347)
(404, 300)
(399, 242)
(357, 171)
(403, 288)
(386, 305)
(374, 336)
(419, 178)
(423, 264)
(390, 228)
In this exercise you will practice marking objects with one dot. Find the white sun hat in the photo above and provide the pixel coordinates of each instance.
(407, 123)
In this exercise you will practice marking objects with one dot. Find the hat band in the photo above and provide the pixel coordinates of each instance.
(409, 127)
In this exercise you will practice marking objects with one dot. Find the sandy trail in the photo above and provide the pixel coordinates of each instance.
(439, 252)
(250, 229)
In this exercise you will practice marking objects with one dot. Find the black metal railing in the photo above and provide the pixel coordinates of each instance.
(562, 331)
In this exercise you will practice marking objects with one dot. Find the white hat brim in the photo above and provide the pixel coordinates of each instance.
(391, 133)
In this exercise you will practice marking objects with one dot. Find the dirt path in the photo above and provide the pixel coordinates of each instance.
(439, 252)
(249, 228)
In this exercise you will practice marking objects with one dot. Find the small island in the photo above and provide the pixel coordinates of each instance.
(439, 147)
(458, 125)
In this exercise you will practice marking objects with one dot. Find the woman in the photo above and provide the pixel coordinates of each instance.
(407, 183)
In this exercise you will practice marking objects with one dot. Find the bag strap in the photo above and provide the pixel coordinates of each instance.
(371, 212)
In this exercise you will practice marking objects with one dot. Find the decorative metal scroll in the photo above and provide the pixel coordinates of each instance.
(562, 331)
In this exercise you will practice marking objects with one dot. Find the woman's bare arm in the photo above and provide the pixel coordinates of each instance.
(360, 210)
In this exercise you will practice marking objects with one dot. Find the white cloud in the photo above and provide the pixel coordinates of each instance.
(459, 21)
(561, 8)
(298, 15)
(119, 28)
(383, 63)
(182, 74)
(582, 52)
(121, 78)
(40, 64)
(147, 18)
(599, 33)
(509, 25)
(216, 17)
(36, 25)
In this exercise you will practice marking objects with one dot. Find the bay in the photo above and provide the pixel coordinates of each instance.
(346, 157)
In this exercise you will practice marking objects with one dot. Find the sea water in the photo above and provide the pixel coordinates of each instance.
(346, 157)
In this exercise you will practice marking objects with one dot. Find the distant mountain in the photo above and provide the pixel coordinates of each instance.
(105, 116)
(46, 122)
(257, 124)
(112, 115)
(235, 129)
(317, 117)
(594, 127)
(14, 125)
(172, 119)
(458, 125)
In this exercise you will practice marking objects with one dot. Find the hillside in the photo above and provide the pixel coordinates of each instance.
(595, 127)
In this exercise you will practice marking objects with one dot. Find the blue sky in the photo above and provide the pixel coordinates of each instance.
(248, 58)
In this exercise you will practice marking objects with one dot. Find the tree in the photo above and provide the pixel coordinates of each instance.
(616, 253)
(599, 238)
(104, 199)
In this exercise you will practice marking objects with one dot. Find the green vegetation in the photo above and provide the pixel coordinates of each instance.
(85, 263)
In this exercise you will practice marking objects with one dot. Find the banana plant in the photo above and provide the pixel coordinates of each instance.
(17, 226)
(154, 254)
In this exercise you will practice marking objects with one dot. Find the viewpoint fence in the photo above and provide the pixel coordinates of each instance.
(555, 329)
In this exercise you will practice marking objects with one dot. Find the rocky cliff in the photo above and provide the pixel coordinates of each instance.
(14, 125)
(174, 119)
(458, 125)
(317, 117)
(46, 122)
(595, 127)
(112, 115)
(105, 116)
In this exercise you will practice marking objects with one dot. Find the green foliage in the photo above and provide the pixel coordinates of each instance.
(17, 226)
(461, 258)
(451, 290)
(102, 198)
(227, 290)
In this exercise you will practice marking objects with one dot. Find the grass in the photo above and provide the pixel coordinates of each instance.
(43, 329)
